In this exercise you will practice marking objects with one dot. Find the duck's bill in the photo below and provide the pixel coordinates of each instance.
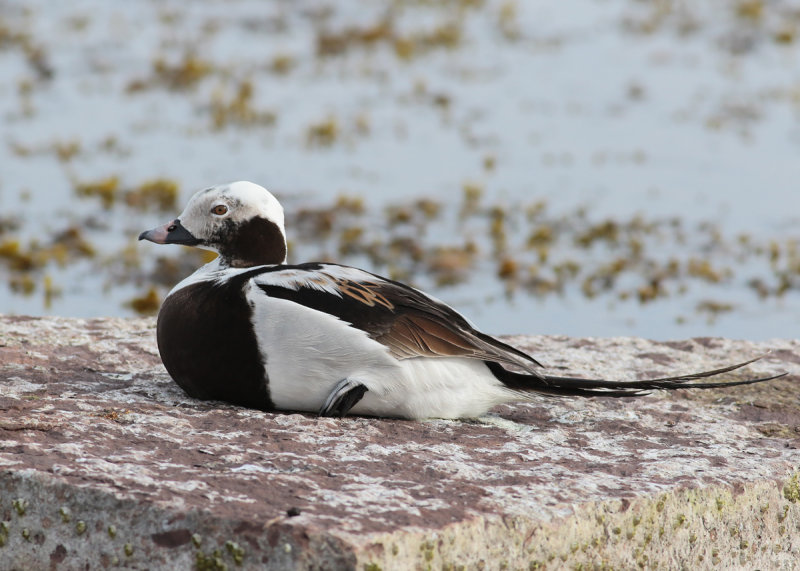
(170, 233)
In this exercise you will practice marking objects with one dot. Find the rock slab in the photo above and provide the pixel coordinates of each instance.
(104, 462)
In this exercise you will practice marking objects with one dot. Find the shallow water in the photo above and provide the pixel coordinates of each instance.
(602, 110)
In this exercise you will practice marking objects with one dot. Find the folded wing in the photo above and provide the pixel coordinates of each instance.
(407, 321)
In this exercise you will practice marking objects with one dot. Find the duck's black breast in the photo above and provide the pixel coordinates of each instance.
(209, 347)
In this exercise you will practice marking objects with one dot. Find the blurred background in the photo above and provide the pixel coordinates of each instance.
(590, 168)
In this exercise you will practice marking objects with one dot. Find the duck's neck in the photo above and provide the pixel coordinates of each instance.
(256, 242)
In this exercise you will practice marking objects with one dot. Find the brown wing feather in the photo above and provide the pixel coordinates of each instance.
(414, 335)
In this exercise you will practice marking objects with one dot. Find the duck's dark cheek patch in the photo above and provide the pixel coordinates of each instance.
(254, 242)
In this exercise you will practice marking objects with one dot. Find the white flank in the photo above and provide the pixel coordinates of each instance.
(308, 352)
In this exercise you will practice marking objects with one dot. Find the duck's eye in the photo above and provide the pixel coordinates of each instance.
(219, 209)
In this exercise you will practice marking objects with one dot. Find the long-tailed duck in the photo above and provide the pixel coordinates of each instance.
(250, 329)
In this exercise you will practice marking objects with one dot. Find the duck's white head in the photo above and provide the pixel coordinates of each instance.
(241, 221)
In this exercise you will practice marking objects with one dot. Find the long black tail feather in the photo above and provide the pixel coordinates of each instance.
(574, 386)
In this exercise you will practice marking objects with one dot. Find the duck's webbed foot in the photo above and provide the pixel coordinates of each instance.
(343, 397)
